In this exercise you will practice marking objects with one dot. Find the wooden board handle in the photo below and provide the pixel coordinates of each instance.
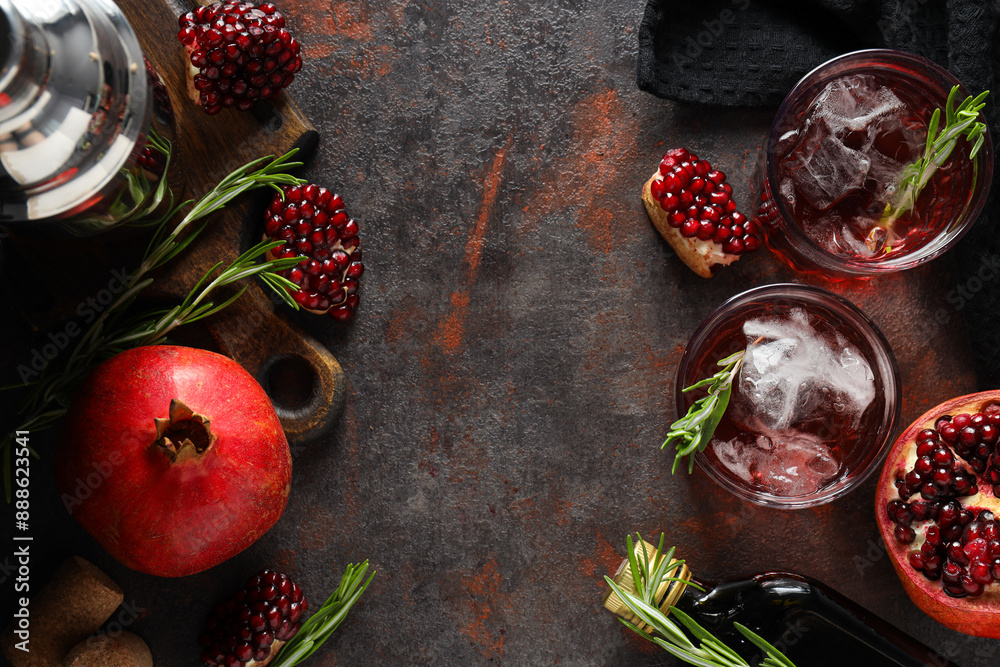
(305, 382)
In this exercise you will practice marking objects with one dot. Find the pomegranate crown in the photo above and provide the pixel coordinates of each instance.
(184, 435)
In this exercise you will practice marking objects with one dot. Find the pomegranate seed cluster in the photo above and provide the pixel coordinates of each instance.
(243, 53)
(961, 545)
(314, 225)
(151, 160)
(243, 628)
(698, 202)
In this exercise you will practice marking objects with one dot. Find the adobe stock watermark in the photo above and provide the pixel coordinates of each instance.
(129, 613)
(793, 634)
(707, 38)
(959, 296)
(907, 9)
(86, 485)
(961, 650)
(987, 272)
(875, 552)
(89, 309)
(99, 472)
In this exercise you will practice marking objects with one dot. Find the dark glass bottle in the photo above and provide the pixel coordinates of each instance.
(813, 625)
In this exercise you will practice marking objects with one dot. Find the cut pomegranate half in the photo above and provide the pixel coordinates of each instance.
(937, 506)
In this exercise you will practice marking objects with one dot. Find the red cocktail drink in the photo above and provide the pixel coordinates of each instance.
(815, 401)
(835, 156)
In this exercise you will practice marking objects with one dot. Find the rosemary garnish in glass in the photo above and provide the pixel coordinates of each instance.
(648, 573)
(691, 433)
(958, 122)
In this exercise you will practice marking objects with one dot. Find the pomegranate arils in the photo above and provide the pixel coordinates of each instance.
(314, 225)
(242, 630)
(699, 203)
(243, 53)
(961, 545)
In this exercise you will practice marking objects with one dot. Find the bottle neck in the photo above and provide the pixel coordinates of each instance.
(666, 595)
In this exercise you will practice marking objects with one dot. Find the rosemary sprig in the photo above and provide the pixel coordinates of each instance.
(691, 433)
(959, 121)
(50, 394)
(660, 570)
(136, 202)
(325, 621)
(710, 651)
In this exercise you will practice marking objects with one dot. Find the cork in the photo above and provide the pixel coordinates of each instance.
(123, 650)
(73, 605)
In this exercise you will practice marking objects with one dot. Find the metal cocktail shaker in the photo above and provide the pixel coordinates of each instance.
(81, 130)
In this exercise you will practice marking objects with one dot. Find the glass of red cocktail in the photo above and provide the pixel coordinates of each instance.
(814, 403)
(835, 157)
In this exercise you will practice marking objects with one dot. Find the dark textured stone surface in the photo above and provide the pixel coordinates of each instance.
(511, 367)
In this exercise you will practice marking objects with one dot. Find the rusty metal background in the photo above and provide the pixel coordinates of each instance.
(511, 367)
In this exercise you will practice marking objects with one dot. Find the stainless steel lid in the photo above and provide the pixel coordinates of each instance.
(74, 109)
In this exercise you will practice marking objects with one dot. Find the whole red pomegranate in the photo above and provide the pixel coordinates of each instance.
(173, 459)
(937, 506)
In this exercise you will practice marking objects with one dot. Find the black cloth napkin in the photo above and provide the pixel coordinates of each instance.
(752, 52)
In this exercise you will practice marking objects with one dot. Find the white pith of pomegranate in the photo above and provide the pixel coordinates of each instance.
(314, 225)
(173, 459)
(691, 206)
(937, 508)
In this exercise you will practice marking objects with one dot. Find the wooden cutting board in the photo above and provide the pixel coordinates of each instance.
(50, 280)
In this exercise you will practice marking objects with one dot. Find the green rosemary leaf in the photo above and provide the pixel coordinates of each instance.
(634, 565)
(718, 655)
(280, 286)
(322, 624)
(171, 247)
(705, 636)
(958, 122)
(211, 309)
(279, 280)
(685, 655)
(976, 146)
(691, 433)
(708, 428)
(772, 653)
(932, 132)
(201, 283)
(660, 573)
(699, 384)
(652, 616)
(258, 250)
(639, 631)
(949, 107)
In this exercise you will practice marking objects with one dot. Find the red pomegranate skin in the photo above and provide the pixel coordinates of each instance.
(977, 616)
(160, 517)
